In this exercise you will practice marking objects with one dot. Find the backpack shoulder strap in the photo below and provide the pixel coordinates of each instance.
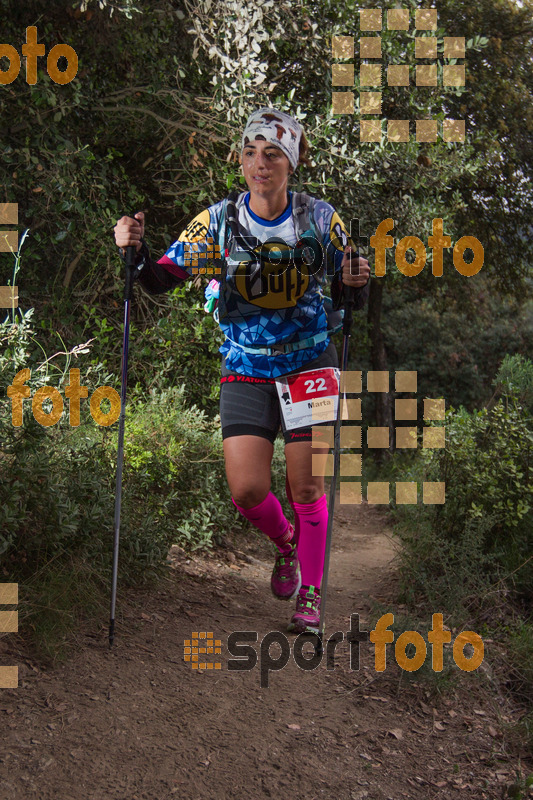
(222, 228)
(300, 213)
(302, 210)
(228, 223)
(231, 214)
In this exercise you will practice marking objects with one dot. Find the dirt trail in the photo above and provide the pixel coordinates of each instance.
(137, 723)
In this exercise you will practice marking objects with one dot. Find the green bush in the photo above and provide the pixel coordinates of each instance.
(179, 348)
(449, 362)
(521, 645)
(57, 488)
(484, 530)
(514, 380)
(174, 481)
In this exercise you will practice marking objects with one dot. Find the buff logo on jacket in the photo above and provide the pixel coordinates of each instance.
(268, 304)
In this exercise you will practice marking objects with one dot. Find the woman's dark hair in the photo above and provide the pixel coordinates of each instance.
(303, 154)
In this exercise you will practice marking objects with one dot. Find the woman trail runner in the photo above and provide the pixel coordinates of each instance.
(277, 348)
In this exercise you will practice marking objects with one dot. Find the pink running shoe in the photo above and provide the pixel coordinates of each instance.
(306, 618)
(286, 578)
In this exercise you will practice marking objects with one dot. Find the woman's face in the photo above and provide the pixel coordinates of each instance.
(266, 168)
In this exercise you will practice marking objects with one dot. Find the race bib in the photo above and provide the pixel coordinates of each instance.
(309, 397)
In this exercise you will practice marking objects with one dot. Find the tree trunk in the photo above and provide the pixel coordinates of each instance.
(378, 357)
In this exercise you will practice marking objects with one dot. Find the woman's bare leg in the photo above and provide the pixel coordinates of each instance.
(248, 460)
(304, 486)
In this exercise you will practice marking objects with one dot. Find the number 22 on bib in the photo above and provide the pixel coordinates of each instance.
(309, 398)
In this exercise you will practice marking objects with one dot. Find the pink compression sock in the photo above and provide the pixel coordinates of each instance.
(312, 519)
(268, 516)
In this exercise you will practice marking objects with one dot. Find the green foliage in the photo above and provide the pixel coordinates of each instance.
(515, 379)
(174, 474)
(43, 470)
(439, 684)
(520, 641)
(173, 469)
(471, 557)
(179, 347)
(486, 467)
(456, 347)
(182, 344)
(161, 134)
(174, 490)
(483, 532)
(56, 598)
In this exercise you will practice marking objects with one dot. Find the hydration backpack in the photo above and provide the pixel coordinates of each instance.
(308, 242)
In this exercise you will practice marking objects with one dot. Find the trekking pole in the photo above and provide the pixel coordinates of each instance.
(346, 330)
(130, 269)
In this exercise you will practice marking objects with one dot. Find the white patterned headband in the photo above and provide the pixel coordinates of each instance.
(276, 127)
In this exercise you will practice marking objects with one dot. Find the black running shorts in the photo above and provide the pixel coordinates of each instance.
(250, 406)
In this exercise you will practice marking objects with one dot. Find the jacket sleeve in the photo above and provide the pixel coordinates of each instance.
(152, 275)
(193, 250)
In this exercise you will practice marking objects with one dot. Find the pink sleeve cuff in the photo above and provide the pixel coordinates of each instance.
(173, 268)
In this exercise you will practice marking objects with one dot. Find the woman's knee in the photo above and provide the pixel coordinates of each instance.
(306, 493)
(248, 461)
(249, 496)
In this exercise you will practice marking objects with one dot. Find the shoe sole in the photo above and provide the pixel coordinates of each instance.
(301, 627)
